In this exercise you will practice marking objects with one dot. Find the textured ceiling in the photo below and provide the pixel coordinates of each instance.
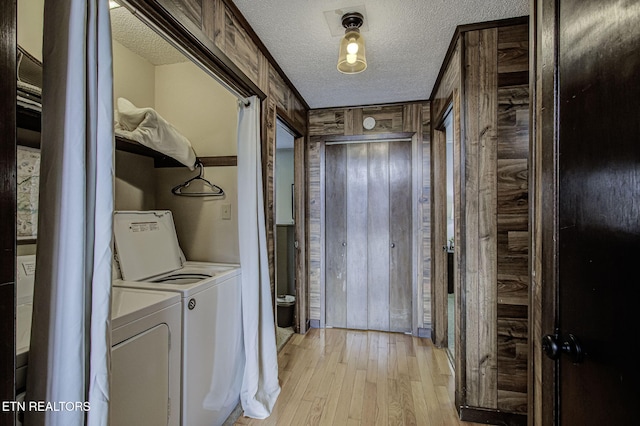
(133, 34)
(406, 43)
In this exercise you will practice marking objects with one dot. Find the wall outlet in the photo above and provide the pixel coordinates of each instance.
(225, 211)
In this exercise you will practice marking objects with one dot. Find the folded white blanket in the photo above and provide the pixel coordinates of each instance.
(147, 127)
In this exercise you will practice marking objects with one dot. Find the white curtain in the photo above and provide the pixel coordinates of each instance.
(260, 387)
(70, 349)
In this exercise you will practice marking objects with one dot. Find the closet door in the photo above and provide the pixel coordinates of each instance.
(336, 236)
(400, 234)
(367, 236)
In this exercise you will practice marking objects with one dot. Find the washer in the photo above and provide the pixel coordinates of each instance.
(150, 257)
(145, 357)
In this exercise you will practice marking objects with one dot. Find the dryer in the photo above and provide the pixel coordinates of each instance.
(149, 257)
(145, 358)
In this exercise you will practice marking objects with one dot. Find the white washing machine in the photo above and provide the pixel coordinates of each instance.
(149, 257)
(145, 358)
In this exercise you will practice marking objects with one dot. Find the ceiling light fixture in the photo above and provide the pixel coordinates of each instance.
(351, 59)
(113, 4)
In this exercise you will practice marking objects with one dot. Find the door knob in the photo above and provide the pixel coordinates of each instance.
(393, 245)
(344, 244)
(553, 347)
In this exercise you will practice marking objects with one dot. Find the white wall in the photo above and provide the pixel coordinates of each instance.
(30, 26)
(206, 113)
(135, 182)
(134, 77)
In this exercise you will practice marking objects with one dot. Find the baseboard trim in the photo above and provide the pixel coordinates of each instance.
(424, 333)
(493, 417)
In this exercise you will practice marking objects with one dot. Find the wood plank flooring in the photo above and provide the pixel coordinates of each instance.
(348, 377)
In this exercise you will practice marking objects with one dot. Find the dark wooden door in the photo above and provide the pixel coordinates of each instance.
(598, 228)
(368, 236)
(7, 205)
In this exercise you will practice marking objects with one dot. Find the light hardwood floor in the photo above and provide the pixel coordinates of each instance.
(349, 377)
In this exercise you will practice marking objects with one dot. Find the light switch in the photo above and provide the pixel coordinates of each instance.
(226, 211)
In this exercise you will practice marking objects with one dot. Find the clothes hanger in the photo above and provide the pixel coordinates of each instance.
(216, 191)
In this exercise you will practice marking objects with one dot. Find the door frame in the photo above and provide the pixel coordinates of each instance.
(416, 249)
(301, 315)
(543, 180)
(439, 304)
(8, 47)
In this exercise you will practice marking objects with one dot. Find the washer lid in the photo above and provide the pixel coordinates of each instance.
(146, 243)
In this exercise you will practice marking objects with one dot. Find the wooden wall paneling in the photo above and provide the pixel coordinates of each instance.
(213, 22)
(278, 89)
(490, 224)
(476, 321)
(300, 210)
(263, 73)
(239, 46)
(425, 213)
(470, 241)
(513, 56)
(326, 122)
(417, 203)
(400, 303)
(450, 80)
(315, 226)
(513, 357)
(378, 244)
(336, 235)
(353, 121)
(543, 248)
(192, 9)
(459, 254)
(439, 239)
(513, 242)
(8, 46)
(268, 155)
(389, 118)
(348, 122)
(487, 221)
(298, 113)
(513, 218)
(255, 40)
(356, 206)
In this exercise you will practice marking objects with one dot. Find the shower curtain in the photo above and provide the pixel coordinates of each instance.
(260, 387)
(69, 353)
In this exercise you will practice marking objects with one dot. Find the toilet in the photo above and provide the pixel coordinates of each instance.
(286, 305)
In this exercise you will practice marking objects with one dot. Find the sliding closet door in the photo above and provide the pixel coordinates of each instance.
(400, 232)
(336, 235)
(378, 249)
(367, 236)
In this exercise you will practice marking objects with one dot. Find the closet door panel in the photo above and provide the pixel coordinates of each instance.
(336, 235)
(400, 291)
(378, 236)
(357, 276)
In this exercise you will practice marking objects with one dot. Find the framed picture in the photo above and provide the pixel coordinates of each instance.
(28, 183)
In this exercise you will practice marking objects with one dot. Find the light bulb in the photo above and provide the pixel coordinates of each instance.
(352, 47)
(351, 58)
